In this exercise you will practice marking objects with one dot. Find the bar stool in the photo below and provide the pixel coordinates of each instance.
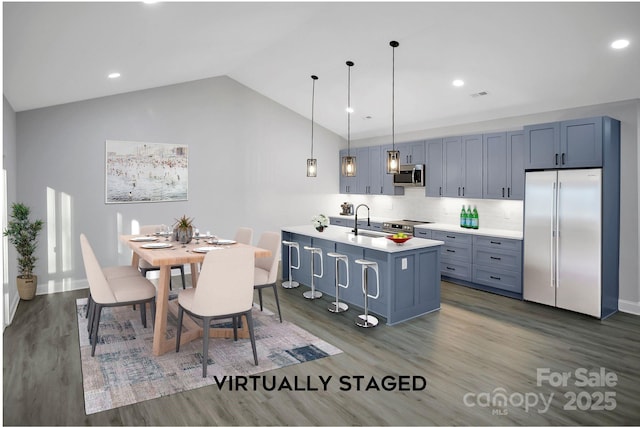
(313, 294)
(366, 320)
(337, 306)
(290, 283)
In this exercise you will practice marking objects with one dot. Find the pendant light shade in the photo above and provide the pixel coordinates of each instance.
(312, 164)
(393, 156)
(349, 161)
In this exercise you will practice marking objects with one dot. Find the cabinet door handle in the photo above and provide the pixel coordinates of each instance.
(508, 192)
(458, 191)
(502, 191)
(462, 191)
(494, 277)
(556, 159)
(497, 258)
(451, 268)
(451, 237)
(563, 158)
(451, 250)
(440, 192)
(493, 242)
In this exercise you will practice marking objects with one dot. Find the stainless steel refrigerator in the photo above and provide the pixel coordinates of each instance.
(563, 239)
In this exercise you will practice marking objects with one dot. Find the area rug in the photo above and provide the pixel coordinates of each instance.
(124, 370)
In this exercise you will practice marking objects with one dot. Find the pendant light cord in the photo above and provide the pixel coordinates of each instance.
(313, 96)
(393, 44)
(349, 64)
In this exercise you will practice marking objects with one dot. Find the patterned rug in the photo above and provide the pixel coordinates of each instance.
(124, 370)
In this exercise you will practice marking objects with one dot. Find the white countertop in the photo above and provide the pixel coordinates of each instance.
(492, 232)
(344, 235)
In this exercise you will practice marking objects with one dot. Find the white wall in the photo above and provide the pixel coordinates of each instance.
(628, 112)
(247, 160)
(9, 269)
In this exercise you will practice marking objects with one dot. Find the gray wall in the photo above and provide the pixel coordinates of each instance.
(247, 167)
(628, 112)
(9, 263)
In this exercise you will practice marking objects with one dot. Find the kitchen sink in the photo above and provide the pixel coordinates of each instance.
(368, 233)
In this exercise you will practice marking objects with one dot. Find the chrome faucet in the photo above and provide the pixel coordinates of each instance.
(355, 230)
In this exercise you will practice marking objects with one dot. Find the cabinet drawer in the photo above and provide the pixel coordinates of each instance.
(343, 222)
(449, 237)
(497, 243)
(498, 278)
(376, 226)
(489, 257)
(423, 234)
(460, 253)
(455, 269)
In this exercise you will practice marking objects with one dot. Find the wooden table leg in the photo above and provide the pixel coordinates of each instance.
(162, 300)
(194, 274)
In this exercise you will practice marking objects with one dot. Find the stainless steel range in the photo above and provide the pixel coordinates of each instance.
(402, 225)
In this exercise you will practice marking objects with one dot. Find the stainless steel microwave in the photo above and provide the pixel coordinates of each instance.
(410, 176)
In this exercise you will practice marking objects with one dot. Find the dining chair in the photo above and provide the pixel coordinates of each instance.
(266, 269)
(225, 290)
(114, 272)
(244, 235)
(144, 266)
(117, 291)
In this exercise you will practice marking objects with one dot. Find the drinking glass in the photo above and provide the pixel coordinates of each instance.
(168, 232)
(197, 233)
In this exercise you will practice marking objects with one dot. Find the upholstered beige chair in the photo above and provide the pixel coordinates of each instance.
(225, 290)
(144, 266)
(115, 272)
(244, 235)
(117, 291)
(266, 270)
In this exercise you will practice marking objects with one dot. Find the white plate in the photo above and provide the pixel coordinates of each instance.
(144, 239)
(223, 242)
(205, 249)
(156, 245)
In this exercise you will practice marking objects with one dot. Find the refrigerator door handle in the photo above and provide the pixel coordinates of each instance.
(557, 239)
(553, 234)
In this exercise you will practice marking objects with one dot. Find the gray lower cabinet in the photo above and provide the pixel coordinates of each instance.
(489, 263)
(342, 221)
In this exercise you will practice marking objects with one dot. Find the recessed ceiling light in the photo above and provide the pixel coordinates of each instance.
(620, 44)
(114, 75)
(458, 83)
(349, 110)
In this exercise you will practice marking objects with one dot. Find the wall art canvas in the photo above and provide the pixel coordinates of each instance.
(146, 172)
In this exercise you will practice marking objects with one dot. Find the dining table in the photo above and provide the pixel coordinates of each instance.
(160, 252)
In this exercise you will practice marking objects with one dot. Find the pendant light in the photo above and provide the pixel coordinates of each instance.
(312, 164)
(349, 161)
(393, 156)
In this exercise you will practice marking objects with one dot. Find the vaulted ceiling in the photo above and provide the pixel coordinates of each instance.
(527, 57)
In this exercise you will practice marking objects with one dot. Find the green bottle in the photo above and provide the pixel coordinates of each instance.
(474, 218)
(463, 217)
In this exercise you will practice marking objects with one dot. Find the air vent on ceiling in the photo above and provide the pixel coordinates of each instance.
(481, 93)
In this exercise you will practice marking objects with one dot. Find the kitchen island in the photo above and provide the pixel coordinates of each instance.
(409, 273)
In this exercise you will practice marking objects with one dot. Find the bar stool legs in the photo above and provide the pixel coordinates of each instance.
(337, 306)
(289, 284)
(366, 320)
(313, 294)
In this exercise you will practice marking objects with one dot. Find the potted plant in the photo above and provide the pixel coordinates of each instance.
(23, 234)
(320, 222)
(183, 230)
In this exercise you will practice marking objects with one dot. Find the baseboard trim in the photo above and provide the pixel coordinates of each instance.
(631, 307)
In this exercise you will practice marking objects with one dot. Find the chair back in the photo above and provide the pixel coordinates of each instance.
(100, 289)
(244, 235)
(225, 283)
(270, 240)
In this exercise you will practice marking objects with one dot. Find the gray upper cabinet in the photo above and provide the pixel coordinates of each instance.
(412, 152)
(371, 176)
(434, 166)
(568, 144)
(363, 170)
(581, 143)
(503, 170)
(462, 159)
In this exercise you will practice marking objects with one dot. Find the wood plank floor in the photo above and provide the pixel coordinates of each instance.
(477, 346)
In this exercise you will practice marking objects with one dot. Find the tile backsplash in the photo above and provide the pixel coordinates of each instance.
(501, 214)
